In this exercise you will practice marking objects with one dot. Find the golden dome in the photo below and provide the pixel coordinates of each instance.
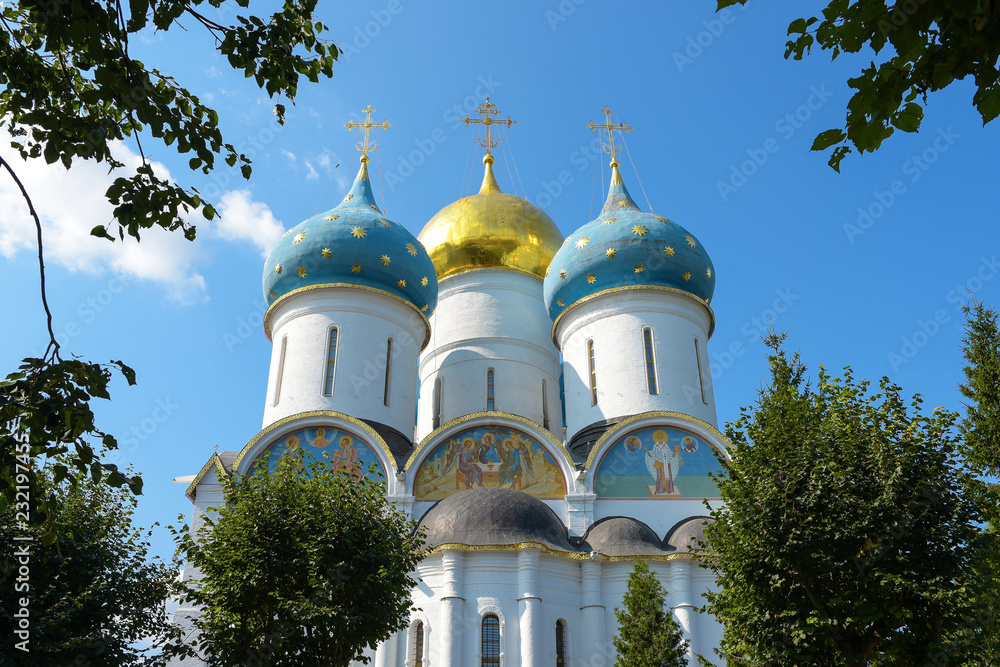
(491, 230)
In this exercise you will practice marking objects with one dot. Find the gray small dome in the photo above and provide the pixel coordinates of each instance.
(493, 517)
(685, 536)
(623, 536)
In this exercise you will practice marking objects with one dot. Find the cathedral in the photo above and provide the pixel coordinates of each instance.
(542, 405)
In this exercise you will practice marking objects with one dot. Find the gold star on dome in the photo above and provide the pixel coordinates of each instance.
(708, 272)
(687, 275)
(385, 259)
(639, 268)
(286, 233)
(624, 203)
(582, 243)
(358, 232)
(326, 253)
(348, 197)
(412, 249)
(591, 279)
(639, 230)
(610, 252)
(423, 281)
(401, 284)
(302, 272)
(384, 223)
(272, 294)
(562, 274)
(355, 268)
(331, 217)
(661, 218)
(609, 221)
(547, 269)
(424, 308)
(668, 251)
(298, 237)
(559, 302)
(277, 269)
(691, 242)
(374, 207)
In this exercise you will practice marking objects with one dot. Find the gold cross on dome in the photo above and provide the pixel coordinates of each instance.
(364, 146)
(611, 149)
(488, 110)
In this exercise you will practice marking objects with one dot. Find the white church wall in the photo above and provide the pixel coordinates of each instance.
(365, 321)
(490, 319)
(660, 515)
(615, 323)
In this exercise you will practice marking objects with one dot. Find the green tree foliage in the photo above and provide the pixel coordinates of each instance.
(981, 449)
(69, 87)
(300, 568)
(920, 46)
(93, 595)
(845, 535)
(648, 635)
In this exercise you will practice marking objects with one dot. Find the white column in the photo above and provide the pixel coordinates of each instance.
(385, 654)
(709, 628)
(592, 640)
(683, 604)
(452, 608)
(529, 606)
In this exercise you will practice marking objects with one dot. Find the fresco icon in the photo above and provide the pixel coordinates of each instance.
(489, 456)
(343, 451)
(657, 462)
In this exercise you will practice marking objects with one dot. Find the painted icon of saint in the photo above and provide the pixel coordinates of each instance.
(690, 446)
(467, 465)
(663, 462)
(345, 458)
(320, 439)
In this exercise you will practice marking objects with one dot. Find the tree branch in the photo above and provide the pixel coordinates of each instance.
(52, 350)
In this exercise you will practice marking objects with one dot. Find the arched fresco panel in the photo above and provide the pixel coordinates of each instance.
(489, 456)
(657, 462)
(342, 450)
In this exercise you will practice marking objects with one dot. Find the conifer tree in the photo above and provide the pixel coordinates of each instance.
(648, 635)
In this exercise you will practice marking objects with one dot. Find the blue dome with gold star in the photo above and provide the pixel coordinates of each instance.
(626, 248)
(352, 244)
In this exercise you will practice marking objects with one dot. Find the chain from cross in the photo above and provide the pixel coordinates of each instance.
(488, 110)
(364, 146)
(611, 148)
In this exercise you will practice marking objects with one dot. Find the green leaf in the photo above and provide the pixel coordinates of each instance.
(828, 138)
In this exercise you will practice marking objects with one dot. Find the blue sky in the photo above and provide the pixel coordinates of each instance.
(705, 96)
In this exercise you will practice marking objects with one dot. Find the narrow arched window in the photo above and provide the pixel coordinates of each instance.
(490, 391)
(418, 645)
(701, 376)
(593, 372)
(491, 640)
(331, 362)
(560, 643)
(388, 365)
(545, 407)
(647, 344)
(436, 404)
(281, 370)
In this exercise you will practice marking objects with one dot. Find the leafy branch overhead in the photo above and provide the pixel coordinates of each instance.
(69, 88)
(921, 46)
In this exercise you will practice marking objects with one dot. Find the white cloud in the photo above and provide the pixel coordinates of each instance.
(71, 202)
(312, 174)
(241, 218)
(289, 154)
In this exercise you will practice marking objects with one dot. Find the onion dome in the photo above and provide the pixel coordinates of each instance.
(353, 244)
(623, 536)
(493, 517)
(687, 535)
(626, 248)
(491, 230)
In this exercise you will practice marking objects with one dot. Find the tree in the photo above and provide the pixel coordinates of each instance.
(300, 568)
(922, 46)
(648, 635)
(92, 595)
(981, 449)
(844, 538)
(69, 88)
